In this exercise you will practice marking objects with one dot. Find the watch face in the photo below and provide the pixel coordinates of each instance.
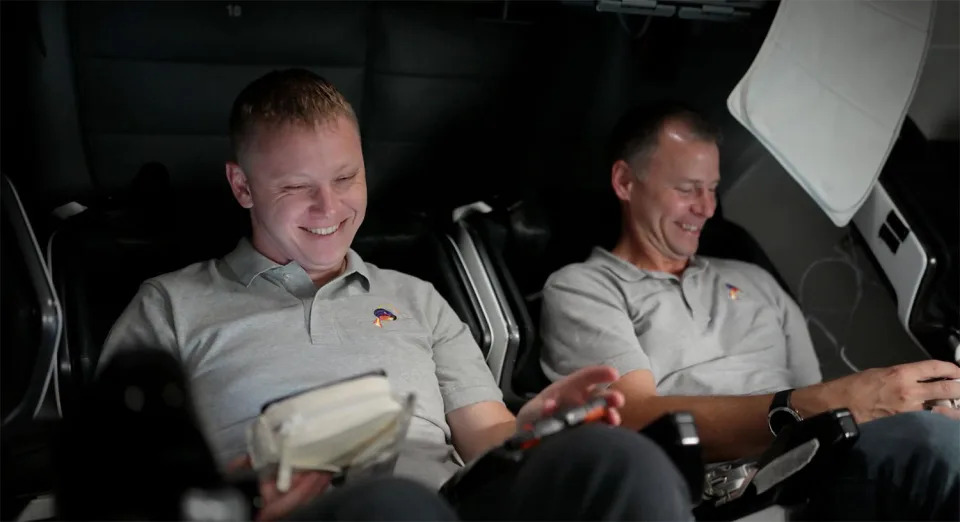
(781, 417)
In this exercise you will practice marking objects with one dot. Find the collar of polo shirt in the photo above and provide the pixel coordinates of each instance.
(248, 263)
(630, 272)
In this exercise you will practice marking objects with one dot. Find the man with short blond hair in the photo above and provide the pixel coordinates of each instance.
(293, 307)
(294, 97)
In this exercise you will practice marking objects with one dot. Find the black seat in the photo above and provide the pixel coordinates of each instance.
(99, 257)
(410, 243)
(31, 327)
(31, 315)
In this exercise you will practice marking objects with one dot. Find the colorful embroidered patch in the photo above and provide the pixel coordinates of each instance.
(734, 291)
(382, 314)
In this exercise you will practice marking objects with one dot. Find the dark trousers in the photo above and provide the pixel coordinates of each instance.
(378, 499)
(903, 467)
(592, 472)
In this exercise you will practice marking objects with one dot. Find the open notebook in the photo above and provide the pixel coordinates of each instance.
(342, 427)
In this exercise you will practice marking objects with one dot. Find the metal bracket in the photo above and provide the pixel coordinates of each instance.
(710, 10)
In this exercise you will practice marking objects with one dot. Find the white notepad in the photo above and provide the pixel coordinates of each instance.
(351, 423)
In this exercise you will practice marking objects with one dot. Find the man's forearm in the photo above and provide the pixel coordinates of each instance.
(730, 427)
(482, 440)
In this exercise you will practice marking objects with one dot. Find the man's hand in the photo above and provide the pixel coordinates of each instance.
(574, 390)
(480, 426)
(880, 392)
(304, 487)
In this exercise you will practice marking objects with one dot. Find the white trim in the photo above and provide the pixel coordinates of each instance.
(486, 294)
(55, 304)
(905, 268)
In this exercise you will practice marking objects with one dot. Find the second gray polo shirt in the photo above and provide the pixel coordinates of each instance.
(724, 328)
(248, 330)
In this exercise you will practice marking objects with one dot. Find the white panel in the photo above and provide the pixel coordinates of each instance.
(828, 91)
(905, 268)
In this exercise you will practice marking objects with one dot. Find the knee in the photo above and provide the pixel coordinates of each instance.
(936, 440)
(925, 433)
(933, 428)
(912, 459)
(601, 442)
(387, 498)
(923, 441)
(615, 452)
(611, 470)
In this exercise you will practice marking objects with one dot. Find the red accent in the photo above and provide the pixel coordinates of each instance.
(595, 414)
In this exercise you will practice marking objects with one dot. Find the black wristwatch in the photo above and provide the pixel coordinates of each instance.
(781, 414)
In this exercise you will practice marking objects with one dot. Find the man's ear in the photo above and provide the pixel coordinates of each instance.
(622, 179)
(239, 185)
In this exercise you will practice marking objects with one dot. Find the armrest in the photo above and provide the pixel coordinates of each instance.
(480, 248)
(835, 432)
(783, 474)
(677, 434)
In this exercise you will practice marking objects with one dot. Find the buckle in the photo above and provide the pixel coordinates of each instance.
(728, 481)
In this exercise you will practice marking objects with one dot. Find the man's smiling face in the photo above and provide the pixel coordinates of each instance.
(675, 193)
(306, 191)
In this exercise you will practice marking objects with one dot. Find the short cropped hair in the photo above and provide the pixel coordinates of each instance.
(636, 134)
(290, 96)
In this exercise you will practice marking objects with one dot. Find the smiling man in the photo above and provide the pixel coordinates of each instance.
(294, 307)
(721, 339)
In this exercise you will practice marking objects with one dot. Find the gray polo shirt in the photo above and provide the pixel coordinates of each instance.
(724, 328)
(248, 330)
